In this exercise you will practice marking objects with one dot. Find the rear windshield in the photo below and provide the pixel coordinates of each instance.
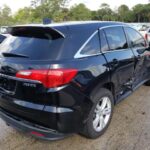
(33, 42)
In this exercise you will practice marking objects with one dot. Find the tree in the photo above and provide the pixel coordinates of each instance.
(24, 15)
(104, 6)
(122, 9)
(141, 12)
(94, 15)
(80, 12)
(57, 10)
(53, 9)
(105, 12)
(125, 14)
(5, 16)
(148, 12)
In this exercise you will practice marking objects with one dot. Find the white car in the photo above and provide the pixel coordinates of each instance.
(146, 34)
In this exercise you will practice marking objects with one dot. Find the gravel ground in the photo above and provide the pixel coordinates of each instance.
(129, 130)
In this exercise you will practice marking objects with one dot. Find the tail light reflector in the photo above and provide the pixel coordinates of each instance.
(49, 78)
(36, 134)
(146, 36)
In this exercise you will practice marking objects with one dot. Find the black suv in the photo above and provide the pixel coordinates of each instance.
(60, 79)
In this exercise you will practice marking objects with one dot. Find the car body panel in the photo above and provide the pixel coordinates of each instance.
(121, 63)
(66, 109)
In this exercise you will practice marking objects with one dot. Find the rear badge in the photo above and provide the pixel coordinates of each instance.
(29, 85)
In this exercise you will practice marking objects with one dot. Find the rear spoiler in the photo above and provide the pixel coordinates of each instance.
(17, 30)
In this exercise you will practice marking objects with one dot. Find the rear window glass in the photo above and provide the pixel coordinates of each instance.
(92, 47)
(35, 43)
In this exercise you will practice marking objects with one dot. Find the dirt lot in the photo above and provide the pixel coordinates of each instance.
(129, 130)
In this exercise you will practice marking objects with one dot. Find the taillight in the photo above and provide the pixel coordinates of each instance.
(37, 134)
(49, 78)
(146, 36)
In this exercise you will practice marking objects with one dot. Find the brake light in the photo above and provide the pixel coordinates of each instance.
(36, 134)
(49, 78)
(146, 36)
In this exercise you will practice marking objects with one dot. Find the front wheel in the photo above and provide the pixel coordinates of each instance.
(100, 115)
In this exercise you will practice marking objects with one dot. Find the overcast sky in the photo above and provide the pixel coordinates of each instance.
(92, 4)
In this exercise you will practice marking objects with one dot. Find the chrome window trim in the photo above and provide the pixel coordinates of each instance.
(79, 55)
(111, 51)
(112, 26)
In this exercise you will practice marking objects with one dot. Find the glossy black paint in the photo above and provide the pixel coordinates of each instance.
(66, 109)
(2, 38)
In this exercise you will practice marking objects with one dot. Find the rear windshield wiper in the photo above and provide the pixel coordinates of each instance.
(14, 55)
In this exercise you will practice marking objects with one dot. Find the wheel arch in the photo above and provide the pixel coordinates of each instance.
(108, 85)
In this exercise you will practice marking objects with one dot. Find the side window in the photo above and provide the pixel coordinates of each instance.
(103, 42)
(135, 38)
(92, 47)
(116, 38)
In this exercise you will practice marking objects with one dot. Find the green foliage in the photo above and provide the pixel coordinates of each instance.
(24, 16)
(57, 10)
(105, 12)
(142, 13)
(79, 12)
(53, 9)
(5, 16)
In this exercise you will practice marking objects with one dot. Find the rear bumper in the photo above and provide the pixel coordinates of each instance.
(30, 128)
(67, 117)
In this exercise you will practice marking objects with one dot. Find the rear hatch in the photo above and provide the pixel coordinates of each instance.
(27, 48)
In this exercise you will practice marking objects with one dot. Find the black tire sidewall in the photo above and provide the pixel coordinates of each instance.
(90, 129)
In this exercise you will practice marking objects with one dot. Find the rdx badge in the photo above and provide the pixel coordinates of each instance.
(29, 85)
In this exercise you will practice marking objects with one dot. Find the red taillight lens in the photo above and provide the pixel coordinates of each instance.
(36, 134)
(146, 36)
(49, 78)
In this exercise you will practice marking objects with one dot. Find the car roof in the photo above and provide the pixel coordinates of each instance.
(77, 23)
(76, 26)
(75, 34)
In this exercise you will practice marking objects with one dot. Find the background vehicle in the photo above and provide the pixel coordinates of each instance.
(65, 78)
(147, 35)
(4, 29)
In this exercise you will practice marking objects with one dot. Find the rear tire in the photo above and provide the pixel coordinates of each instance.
(100, 115)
